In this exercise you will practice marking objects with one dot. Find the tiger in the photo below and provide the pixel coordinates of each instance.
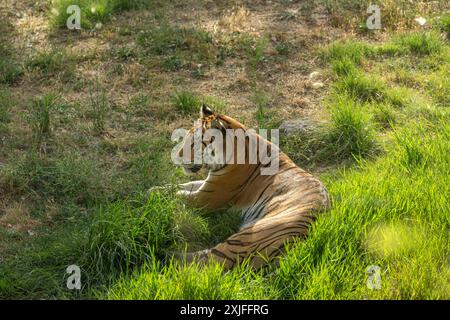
(276, 209)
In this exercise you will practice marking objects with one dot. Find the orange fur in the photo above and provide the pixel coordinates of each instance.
(276, 209)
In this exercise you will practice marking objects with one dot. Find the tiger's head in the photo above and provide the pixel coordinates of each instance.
(210, 127)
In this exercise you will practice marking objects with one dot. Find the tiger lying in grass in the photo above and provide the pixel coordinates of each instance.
(276, 209)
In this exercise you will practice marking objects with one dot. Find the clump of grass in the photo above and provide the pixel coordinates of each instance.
(351, 132)
(98, 110)
(351, 51)
(186, 101)
(125, 53)
(53, 62)
(438, 85)
(421, 43)
(10, 70)
(384, 115)
(256, 53)
(282, 48)
(126, 235)
(265, 117)
(215, 103)
(349, 135)
(5, 106)
(444, 24)
(412, 153)
(195, 45)
(190, 282)
(148, 164)
(398, 97)
(172, 63)
(70, 178)
(92, 11)
(40, 117)
(361, 87)
(343, 68)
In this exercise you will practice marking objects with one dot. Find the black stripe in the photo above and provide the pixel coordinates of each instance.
(222, 255)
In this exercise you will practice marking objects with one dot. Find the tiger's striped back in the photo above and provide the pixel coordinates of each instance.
(276, 209)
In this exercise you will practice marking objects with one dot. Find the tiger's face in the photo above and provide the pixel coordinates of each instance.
(205, 131)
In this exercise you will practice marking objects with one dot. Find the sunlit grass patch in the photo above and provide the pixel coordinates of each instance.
(186, 101)
(350, 134)
(191, 282)
(421, 43)
(332, 264)
(384, 115)
(92, 11)
(352, 51)
(351, 130)
(343, 67)
(126, 234)
(361, 87)
(393, 239)
(438, 84)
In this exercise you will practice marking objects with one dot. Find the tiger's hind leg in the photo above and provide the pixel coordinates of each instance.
(260, 242)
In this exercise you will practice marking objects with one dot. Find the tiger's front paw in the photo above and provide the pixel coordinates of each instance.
(198, 257)
(165, 188)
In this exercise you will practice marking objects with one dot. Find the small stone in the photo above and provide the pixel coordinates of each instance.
(421, 20)
(98, 25)
(314, 75)
(31, 233)
(298, 125)
(317, 85)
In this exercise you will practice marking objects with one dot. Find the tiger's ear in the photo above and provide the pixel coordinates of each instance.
(205, 111)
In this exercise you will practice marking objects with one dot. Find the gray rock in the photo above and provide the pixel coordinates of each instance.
(298, 125)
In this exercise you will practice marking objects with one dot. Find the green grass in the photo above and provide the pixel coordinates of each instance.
(5, 106)
(10, 69)
(54, 62)
(343, 67)
(40, 117)
(421, 43)
(98, 109)
(404, 232)
(10, 72)
(383, 154)
(6, 103)
(384, 115)
(351, 131)
(361, 87)
(92, 11)
(444, 24)
(265, 115)
(68, 177)
(179, 45)
(186, 101)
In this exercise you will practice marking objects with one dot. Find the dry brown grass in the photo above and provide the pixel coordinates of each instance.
(16, 216)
